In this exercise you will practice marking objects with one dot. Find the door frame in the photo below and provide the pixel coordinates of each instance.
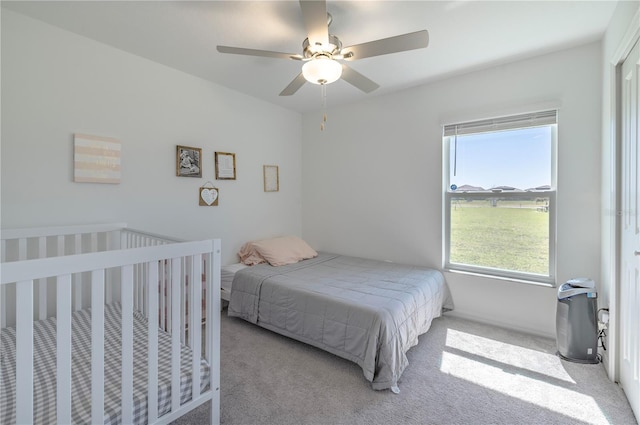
(615, 66)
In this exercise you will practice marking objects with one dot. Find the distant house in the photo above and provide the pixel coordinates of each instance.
(539, 188)
(505, 189)
(469, 188)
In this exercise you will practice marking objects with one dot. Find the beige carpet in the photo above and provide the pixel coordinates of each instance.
(461, 372)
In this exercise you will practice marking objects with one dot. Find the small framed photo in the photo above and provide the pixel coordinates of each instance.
(188, 161)
(225, 165)
(271, 178)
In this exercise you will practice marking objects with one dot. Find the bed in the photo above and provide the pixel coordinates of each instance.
(102, 332)
(369, 312)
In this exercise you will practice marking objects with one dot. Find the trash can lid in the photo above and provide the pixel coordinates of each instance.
(582, 282)
(567, 290)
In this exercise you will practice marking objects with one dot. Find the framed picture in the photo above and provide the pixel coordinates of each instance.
(208, 196)
(225, 165)
(96, 159)
(271, 178)
(188, 161)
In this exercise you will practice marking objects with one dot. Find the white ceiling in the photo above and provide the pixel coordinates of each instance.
(464, 36)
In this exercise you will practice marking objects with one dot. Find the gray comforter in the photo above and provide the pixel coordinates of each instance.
(366, 311)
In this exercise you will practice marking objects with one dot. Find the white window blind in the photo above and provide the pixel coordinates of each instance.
(534, 119)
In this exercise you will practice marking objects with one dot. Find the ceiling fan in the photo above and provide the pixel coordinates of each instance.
(321, 51)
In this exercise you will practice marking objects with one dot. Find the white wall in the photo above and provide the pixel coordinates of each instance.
(55, 83)
(618, 40)
(372, 182)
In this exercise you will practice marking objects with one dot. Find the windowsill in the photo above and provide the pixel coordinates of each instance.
(504, 278)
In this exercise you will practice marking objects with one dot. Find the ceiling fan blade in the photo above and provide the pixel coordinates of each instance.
(314, 13)
(254, 52)
(358, 80)
(399, 43)
(293, 86)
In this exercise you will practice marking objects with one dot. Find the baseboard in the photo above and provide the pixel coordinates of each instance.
(607, 364)
(498, 324)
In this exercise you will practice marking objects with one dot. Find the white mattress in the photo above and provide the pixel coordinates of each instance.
(226, 278)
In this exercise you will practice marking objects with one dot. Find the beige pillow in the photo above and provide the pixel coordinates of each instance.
(284, 250)
(249, 256)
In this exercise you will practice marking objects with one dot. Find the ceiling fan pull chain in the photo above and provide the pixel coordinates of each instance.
(323, 92)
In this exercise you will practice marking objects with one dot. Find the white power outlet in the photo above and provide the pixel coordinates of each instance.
(603, 319)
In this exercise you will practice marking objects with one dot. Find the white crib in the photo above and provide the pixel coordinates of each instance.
(96, 326)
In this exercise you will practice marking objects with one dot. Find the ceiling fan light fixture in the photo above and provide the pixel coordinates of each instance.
(322, 70)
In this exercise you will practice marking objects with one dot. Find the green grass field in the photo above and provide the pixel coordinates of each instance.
(511, 236)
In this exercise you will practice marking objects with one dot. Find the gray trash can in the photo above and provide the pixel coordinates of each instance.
(576, 321)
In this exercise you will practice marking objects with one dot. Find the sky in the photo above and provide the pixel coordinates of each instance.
(518, 158)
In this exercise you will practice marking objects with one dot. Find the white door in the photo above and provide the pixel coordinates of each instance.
(629, 353)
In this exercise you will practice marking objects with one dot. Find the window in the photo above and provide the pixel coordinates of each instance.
(500, 197)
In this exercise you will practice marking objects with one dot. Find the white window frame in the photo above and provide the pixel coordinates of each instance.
(493, 125)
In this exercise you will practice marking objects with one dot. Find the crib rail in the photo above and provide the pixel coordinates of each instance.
(132, 238)
(36, 232)
(53, 241)
(137, 273)
(44, 242)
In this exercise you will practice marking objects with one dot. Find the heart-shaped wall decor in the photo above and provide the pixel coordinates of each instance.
(209, 196)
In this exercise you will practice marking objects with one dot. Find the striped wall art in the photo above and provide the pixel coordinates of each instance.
(96, 159)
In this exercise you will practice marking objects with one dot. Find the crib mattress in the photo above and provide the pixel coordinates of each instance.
(45, 370)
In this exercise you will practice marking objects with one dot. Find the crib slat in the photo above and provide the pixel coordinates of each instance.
(60, 251)
(3, 309)
(175, 333)
(163, 294)
(3, 294)
(42, 283)
(207, 324)
(22, 249)
(169, 295)
(195, 325)
(77, 245)
(24, 352)
(141, 280)
(97, 346)
(64, 349)
(143, 290)
(213, 327)
(183, 297)
(127, 344)
(152, 332)
(94, 242)
(136, 281)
